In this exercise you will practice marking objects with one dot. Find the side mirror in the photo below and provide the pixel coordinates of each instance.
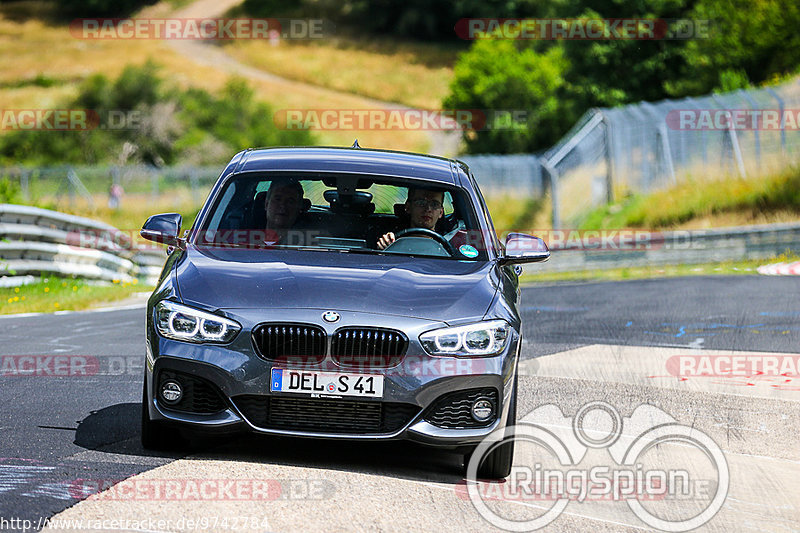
(522, 248)
(162, 228)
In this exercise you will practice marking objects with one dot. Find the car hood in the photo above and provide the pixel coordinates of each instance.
(241, 278)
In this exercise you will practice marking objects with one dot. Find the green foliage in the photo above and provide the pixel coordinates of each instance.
(696, 199)
(9, 192)
(142, 120)
(748, 43)
(415, 19)
(498, 75)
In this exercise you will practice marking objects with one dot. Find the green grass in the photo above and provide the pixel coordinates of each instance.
(747, 266)
(59, 294)
(134, 211)
(731, 201)
(512, 213)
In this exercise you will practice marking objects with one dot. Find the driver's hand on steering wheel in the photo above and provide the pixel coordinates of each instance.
(386, 240)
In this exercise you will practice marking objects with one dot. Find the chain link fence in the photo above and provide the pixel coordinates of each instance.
(518, 175)
(501, 174)
(608, 154)
(91, 184)
(643, 147)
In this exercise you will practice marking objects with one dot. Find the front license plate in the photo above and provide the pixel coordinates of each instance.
(363, 385)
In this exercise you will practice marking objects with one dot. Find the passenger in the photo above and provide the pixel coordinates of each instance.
(283, 205)
(424, 208)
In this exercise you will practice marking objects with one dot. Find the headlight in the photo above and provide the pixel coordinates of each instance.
(473, 340)
(176, 321)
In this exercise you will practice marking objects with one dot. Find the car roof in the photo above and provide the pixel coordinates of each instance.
(349, 160)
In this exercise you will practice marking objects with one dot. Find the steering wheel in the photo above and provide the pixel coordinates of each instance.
(427, 233)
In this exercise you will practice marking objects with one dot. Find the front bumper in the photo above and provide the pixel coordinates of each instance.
(237, 371)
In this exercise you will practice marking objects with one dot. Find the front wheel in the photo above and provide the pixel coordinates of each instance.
(497, 463)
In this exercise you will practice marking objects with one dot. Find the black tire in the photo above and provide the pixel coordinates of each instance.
(157, 435)
(497, 463)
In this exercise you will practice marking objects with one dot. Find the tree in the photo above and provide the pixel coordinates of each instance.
(749, 43)
(499, 75)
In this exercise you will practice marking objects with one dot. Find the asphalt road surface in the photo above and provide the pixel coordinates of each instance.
(67, 433)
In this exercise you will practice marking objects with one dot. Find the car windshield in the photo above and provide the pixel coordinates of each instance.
(343, 213)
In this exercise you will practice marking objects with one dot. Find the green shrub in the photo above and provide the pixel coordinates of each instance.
(167, 125)
(9, 192)
(498, 75)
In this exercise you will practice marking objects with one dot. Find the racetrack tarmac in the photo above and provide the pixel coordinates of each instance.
(627, 344)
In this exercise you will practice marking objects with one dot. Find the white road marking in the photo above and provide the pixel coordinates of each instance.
(85, 311)
(648, 366)
(762, 489)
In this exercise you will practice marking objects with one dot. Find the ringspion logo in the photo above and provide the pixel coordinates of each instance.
(600, 457)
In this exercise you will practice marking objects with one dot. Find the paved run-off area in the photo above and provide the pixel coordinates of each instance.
(627, 344)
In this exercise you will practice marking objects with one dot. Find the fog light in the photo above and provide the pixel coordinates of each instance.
(171, 391)
(482, 410)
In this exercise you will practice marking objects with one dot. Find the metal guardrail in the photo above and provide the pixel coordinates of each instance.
(36, 241)
(671, 248)
(40, 241)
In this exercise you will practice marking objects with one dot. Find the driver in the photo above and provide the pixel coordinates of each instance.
(424, 208)
(283, 205)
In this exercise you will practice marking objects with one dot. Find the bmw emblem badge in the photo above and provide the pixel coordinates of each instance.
(330, 316)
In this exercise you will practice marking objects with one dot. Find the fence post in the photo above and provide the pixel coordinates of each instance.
(551, 175)
(734, 139)
(24, 184)
(609, 157)
(76, 185)
(666, 153)
(754, 106)
(737, 150)
(783, 123)
(645, 179)
(538, 187)
(662, 141)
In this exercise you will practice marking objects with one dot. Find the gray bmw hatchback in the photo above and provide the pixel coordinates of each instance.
(337, 293)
